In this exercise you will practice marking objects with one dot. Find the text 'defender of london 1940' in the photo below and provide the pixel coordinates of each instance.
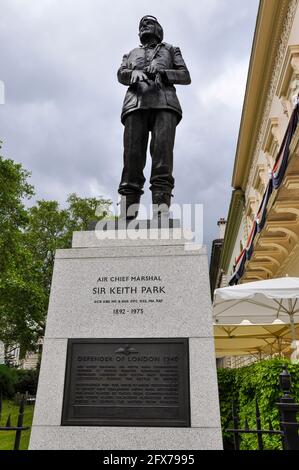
(127, 382)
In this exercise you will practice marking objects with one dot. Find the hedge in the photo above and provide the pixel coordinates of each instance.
(258, 381)
(14, 380)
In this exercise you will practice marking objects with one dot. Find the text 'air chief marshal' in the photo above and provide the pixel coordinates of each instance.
(150, 106)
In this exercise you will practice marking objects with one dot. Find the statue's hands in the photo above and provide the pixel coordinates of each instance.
(153, 69)
(138, 76)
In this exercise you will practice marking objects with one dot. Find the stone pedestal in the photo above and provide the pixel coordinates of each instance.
(118, 288)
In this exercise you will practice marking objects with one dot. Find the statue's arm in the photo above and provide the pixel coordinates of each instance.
(124, 74)
(179, 74)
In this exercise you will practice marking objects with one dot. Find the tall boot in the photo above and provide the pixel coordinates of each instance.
(161, 204)
(129, 206)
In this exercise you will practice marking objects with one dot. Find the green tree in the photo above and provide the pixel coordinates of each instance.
(82, 211)
(14, 188)
(15, 290)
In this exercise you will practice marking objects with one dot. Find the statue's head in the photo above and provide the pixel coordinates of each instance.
(149, 26)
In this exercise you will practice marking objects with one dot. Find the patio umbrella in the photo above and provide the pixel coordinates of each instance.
(261, 302)
(247, 339)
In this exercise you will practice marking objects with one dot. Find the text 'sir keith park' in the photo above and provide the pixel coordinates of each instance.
(150, 106)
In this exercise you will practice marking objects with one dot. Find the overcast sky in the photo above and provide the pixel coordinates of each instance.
(61, 119)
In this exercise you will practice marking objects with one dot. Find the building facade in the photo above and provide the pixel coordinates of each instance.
(262, 233)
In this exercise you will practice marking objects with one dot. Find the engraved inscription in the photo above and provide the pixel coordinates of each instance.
(117, 382)
(127, 385)
(123, 291)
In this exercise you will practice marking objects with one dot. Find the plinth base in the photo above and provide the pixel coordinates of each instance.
(123, 291)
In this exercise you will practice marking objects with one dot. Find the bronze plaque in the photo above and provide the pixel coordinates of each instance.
(127, 382)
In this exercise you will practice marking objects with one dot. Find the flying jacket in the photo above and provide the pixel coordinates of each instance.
(142, 95)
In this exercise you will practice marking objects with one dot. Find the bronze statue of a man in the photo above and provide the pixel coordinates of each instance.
(150, 105)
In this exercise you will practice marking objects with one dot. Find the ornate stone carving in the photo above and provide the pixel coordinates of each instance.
(276, 71)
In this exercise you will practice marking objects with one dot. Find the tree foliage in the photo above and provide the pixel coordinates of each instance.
(16, 290)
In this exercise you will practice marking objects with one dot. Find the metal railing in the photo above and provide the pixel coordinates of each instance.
(19, 428)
